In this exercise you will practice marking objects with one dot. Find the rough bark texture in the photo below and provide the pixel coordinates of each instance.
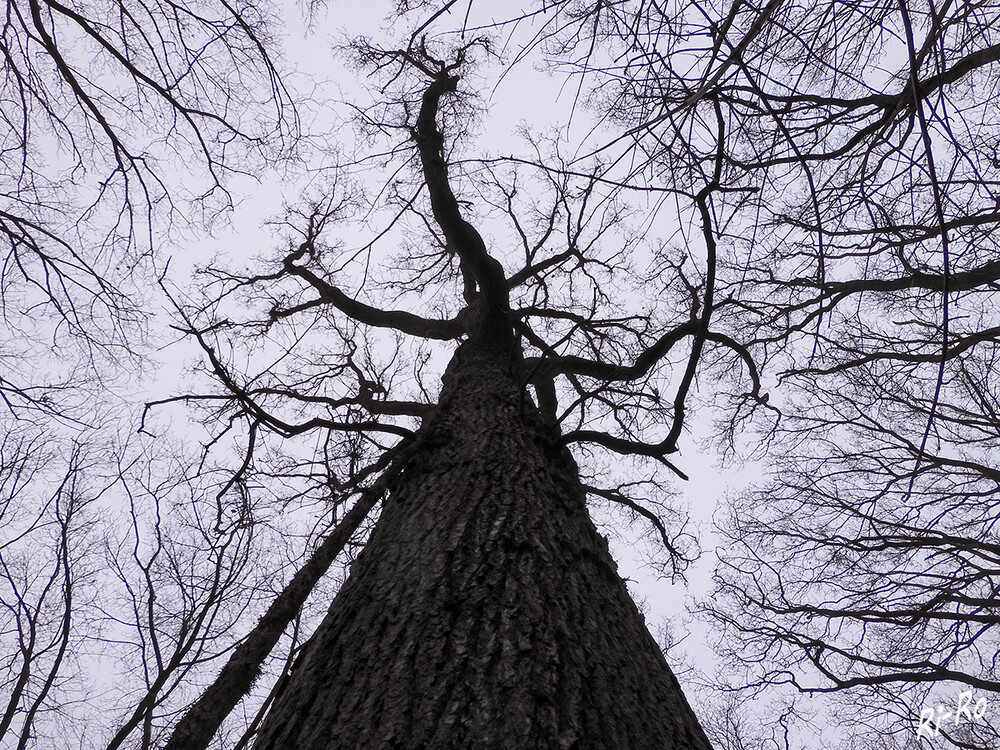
(485, 611)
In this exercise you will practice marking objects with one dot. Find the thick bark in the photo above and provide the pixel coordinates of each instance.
(485, 611)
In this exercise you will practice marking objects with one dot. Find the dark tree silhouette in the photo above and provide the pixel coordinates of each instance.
(859, 269)
(485, 609)
(99, 104)
(829, 285)
(38, 595)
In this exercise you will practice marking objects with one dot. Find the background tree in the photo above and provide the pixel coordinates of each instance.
(858, 268)
(40, 596)
(101, 103)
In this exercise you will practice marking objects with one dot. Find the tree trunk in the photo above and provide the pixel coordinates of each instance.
(485, 611)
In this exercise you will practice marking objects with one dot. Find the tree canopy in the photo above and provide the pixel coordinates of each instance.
(772, 224)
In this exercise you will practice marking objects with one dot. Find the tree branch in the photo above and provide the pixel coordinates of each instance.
(462, 237)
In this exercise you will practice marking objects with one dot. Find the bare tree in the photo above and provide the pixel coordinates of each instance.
(44, 580)
(857, 265)
(485, 608)
(99, 103)
(829, 280)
